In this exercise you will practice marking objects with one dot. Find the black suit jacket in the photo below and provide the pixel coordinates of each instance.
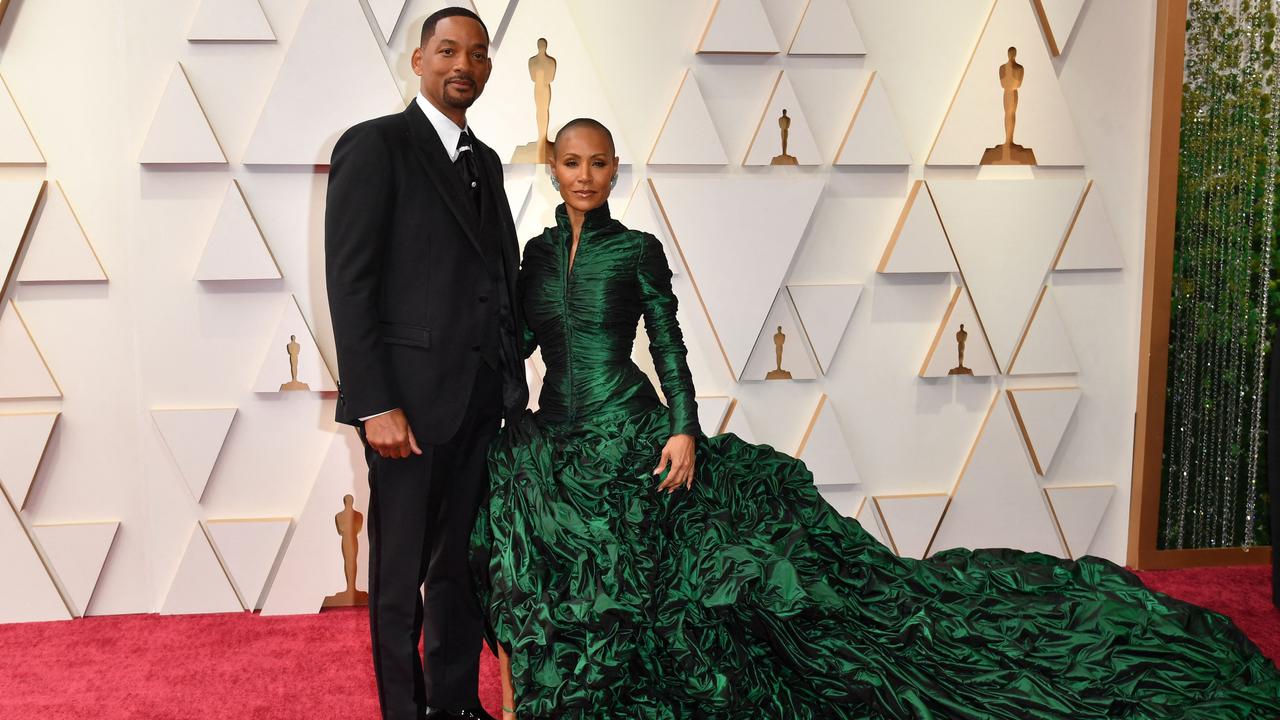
(410, 290)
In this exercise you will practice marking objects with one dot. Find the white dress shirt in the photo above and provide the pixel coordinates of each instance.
(449, 134)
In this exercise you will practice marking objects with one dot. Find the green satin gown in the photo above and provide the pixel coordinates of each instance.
(749, 597)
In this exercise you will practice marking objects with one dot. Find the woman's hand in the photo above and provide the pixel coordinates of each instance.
(678, 454)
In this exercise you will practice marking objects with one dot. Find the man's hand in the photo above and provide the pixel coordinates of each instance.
(390, 436)
(678, 453)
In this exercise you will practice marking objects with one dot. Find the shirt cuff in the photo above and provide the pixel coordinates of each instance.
(370, 417)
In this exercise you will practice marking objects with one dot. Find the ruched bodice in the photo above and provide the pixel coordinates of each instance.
(584, 318)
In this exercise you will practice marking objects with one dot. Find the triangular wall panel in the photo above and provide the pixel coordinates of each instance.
(387, 13)
(248, 549)
(738, 424)
(77, 552)
(997, 501)
(824, 449)
(797, 355)
(236, 249)
(1079, 511)
(230, 21)
(27, 593)
(333, 76)
(59, 250)
(738, 26)
(873, 136)
(508, 113)
(1058, 18)
(975, 120)
(23, 371)
(910, 520)
(17, 146)
(644, 214)
(276, 366)
(1091, 242)
(944, 352)
(1005, 234)
(824, 312)
(1046, 348)
(1043, 415)
(23, 439)
(194, 438)
(736, 237)
(312, 566)
(712, 412)
(200, 584)
(846, 499)
(19, 202)
(180, 131)
(827, 28)
(919, 243)
(766, 144)
(688, 136)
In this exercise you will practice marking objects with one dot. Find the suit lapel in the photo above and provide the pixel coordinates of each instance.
(431, 154)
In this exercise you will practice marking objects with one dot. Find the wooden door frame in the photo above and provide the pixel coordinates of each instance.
(1157, 280)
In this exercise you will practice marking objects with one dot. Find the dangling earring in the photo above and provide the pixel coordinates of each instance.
(614, 182)
(555, 184)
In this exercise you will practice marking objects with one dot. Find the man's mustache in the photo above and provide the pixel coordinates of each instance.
(464, 78)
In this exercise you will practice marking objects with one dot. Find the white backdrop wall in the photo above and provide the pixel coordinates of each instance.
(88, 77)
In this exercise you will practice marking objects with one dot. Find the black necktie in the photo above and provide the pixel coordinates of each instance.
(468, 170)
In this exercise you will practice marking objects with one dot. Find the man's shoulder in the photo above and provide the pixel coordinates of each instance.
(385, 127)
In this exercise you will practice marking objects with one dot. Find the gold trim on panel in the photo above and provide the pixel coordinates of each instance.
(226, 572)
(4, 5)
(1026, 329)
(92, 250)
(1022, 426)
(12, 274)
(813, 420)
(1057, 522)
(763, 111)
(728, 415)
(44, 449)
(866, 90)
(968, 63)
(901, 496)
(662, 130)
(693, 280)
(902, 217)
(203, 113)
(39, 353)
(18, 109)
(942, 327)
(263, 236)
(35, 547)
(703, 38)
(1048, 29)
(968, 458)
(1066, 238)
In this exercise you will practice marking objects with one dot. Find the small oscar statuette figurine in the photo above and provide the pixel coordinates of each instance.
(542, 71)
(349, 522)
(294, 350)
(779, 339)
(1009, 152)
(784, 124)
(961, 337)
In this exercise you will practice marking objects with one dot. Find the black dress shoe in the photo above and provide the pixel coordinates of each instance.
(468, 714)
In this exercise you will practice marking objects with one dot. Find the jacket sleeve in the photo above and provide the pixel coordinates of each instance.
(357, 215)
(666, 343)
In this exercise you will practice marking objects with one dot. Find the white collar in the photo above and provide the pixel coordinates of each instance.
(445, 128)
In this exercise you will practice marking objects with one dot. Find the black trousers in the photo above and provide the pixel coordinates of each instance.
(421, 512)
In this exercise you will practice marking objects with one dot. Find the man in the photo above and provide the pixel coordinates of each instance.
(421, 260)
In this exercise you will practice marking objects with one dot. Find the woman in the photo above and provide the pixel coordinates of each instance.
(632, 567)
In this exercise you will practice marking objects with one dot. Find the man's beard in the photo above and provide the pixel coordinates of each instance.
(461, 102)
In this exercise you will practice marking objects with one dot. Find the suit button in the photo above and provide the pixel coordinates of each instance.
(484, 298)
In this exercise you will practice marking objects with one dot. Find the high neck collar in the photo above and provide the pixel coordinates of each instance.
(593, 220)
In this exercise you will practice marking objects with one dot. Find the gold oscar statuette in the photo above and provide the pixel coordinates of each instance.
(961, 337)
(1009, 152)
(779, 339)
(542, 71)
(294, 350)
(349, 521)
(784, 124)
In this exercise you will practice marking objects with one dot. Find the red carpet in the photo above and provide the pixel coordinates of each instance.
(246, 667)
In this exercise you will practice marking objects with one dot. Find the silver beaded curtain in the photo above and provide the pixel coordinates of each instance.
(1224, 301)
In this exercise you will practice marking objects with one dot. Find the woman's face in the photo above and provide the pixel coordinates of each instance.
(584, 164)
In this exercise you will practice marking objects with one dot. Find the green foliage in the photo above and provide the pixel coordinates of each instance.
(1225, 302)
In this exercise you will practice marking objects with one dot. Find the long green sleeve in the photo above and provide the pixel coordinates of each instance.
(666, 343)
